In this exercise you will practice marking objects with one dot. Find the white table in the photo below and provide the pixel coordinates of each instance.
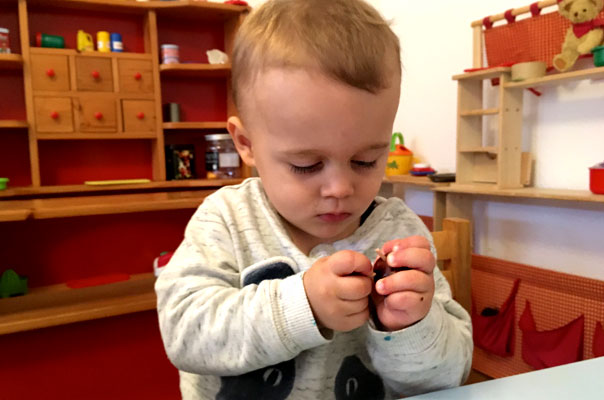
(581, 380)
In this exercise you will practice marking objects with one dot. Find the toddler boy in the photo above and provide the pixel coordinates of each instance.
(271, 293)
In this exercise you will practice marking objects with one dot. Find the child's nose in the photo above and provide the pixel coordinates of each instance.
(338, 185)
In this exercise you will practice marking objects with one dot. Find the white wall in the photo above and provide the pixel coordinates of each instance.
(563, 129)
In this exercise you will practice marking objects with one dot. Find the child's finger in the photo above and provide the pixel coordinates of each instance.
(413, 280)
(348, 262)
(408, 242)
(415, 258)
(353, 287)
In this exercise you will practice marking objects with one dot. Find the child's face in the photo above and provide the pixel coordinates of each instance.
(320, 148)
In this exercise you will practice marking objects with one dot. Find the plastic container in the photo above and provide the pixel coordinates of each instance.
(103, 43)
(3, 182)
(598, 53)
(399, 158)
(116, 43)
(4, 42)
(596, 178)
(170, 54)
(222, 159)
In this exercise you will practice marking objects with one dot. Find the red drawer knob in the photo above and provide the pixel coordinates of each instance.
(95, 74)
(54, 115)
(98, 115)
(140, 115)
(138, 76)
(50, 72)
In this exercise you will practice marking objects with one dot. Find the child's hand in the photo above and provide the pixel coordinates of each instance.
(338, 289)
(404, 297)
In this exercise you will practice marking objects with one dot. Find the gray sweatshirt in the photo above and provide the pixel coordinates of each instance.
(236, 322)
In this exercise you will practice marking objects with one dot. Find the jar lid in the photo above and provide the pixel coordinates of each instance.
(169, 46)
(3, 30)
(218, 136)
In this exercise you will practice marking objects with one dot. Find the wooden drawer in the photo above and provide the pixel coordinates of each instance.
(53, 114)
(49, 72)
(96, 113)
(135, 76)
(139, 115)
(94, 74)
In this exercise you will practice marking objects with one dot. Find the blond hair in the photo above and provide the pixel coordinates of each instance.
(348, 40)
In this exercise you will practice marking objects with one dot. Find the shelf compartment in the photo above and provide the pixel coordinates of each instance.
(483, 74)
(58, 304)
(195, 125)
(479, 112)
(196, 70)
(526, 193)
(9, 123)
(556, 79)
(117, 204)
(11, 61)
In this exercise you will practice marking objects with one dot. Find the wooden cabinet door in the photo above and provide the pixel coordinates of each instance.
(135, 76)
(53, 114)
(94, 74)
(139, 115)
(96, 112)
(50, 72)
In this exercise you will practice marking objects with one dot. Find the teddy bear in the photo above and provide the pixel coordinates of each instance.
(586, 32)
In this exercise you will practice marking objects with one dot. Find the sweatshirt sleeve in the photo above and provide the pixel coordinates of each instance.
(433, 354)
(212, 325)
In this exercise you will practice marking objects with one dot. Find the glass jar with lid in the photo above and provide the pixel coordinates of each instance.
(222, 159)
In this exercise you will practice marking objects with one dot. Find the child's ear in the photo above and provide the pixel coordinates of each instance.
(242, 141)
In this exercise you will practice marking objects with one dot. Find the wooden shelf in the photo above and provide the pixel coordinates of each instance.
(196, 70)
(116, 204)
(479, 112)
(527, 193)
(11, 61)
(59, 304)
(198, 10)
(14, 210)
(414, 180)
(483, 74)
(479, 149)
(7, 123)
(103, 136)
(556, 79)
(83, 189)
(195, 125)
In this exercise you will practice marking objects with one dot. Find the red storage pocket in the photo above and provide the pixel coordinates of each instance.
(598, 345)
(495, 333)
(544, 349)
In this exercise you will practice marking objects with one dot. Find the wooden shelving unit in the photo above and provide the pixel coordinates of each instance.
(414, 180)
(58, 304)
(558, 79)
(196, 70)
(194, 125)
(526, 193)
(11, 61)
(13, 124)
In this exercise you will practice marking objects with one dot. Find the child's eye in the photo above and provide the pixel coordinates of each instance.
(307, 169)
(364, 164)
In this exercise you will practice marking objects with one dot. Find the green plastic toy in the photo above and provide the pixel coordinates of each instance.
(12, 284)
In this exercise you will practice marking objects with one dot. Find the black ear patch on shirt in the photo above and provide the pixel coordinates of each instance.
(355, 382)
(278, 270)
(270, 383)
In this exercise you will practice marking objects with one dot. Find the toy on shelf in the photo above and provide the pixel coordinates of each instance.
(399, 158)
(3, 183)
(4, 41)
(160, 262)
(422, 169)
(585, 33)
(84, 41)
(11, 284)
(103, 44)
(216, 56)
(598, 53)
(46, 40)
(596, 178)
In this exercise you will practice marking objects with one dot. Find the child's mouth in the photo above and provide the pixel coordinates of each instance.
(334, 217)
